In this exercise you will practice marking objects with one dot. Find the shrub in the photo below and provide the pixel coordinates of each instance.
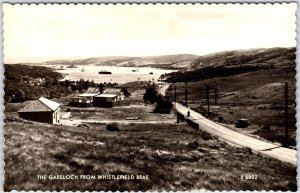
(206, 136)
(163, 105)
(150, 95)
(193, 144)
(266, 128)
(242, 123)
(112, 127)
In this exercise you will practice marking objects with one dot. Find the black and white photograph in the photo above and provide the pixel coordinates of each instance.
(150, 97)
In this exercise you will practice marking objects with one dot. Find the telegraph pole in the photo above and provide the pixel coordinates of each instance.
(186, 94)
(286, 113)
(175, 94)
(216, 96)
(170, 93)
(207, 98)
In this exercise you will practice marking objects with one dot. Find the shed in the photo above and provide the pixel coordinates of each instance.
(41, 110)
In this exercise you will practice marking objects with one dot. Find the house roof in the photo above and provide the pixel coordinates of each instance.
(41, 105)
(107, 95)
(88, 94)
(92, 90)
(112, 91)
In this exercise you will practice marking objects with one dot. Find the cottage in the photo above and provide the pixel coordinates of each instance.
(109, 98)
(85, 99)
(80, 101)
(41, 110)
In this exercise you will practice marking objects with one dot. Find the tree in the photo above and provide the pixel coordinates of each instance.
(126, 92)
(150, 95)
(7, 98)
(20, 96)
(163, 105)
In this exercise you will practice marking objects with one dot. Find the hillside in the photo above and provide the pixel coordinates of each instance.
(226, 64)
(251, 87)
(275, 56)
(173, 156)
(23, 82)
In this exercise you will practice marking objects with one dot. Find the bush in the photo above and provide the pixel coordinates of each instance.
(112, 127)
(150, 95)
(206, 136)
(266, 128)
(163, 105)
(242, 123)
(193, 144)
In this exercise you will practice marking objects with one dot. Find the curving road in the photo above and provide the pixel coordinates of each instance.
(266, 148)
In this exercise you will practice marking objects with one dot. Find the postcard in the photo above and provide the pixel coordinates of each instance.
(150, 97)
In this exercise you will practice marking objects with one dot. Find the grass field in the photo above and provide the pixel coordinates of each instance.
(175, 157)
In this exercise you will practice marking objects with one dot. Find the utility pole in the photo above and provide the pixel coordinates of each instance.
(170, 89)
(207, 98)
(286, 113)
(186, 94)
(216, 96)
(175, 94)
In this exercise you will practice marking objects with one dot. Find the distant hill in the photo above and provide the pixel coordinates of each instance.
(178, 61)
(280, 56)
(110, 60)
(229, 63)
(275, 56)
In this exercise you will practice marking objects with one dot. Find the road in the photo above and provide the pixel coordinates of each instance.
(162, 90)
(233, 137)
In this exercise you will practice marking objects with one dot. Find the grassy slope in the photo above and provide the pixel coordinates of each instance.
(175, 157)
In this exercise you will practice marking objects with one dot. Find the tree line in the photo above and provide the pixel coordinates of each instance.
(212, 72)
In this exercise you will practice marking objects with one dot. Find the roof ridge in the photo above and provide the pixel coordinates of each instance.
(47, 105)
(44, 103)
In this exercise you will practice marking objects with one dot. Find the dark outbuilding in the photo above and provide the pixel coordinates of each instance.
(41, 110)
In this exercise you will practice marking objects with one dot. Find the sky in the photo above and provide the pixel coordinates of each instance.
(35, 33)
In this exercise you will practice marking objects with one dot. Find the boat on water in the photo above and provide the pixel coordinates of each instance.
(71, 66)
(104, 72)
(82, 70)
(135, 70)
(150, 72)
